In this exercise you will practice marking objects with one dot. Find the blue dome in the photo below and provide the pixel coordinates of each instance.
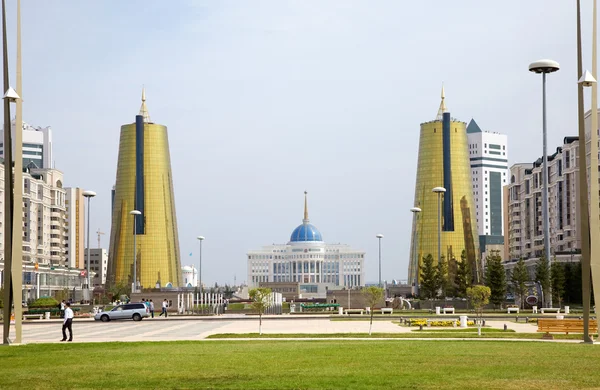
(306, 232)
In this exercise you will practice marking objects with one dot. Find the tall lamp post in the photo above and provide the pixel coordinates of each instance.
(135, 213)
(89, 195)
(414, 263)
(379, 237)
(439, 191)
(200, 239)
(544, 67)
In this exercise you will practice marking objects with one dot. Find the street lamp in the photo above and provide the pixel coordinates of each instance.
(414, 264)
(439, 191)
(135, 213)
(89, 195)
(544, 67)
(379, 236)
(200, 239)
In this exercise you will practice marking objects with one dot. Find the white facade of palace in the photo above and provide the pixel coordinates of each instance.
(308, 260)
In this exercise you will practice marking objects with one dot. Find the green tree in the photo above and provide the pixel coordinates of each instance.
(260, 302)
(463, 277)
(557, 274)
(542, 276)
(442, 276)
(429, 286)
(119, 289)
(519, 278)
(479, 297)
(373, 296)
(495, 277)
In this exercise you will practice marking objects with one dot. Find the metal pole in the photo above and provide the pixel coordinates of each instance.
(439, 227)
(379, 262)
(200, 268)
(583, 192)
(134, 255)
(415, 258)
(8, 193)
(88, 248)
(546, 224)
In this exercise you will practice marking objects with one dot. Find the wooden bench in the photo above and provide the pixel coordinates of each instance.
(26, 316)
(447, 310)
(387, 310)
(565, 326)
(354, 311)
(512, 310)
(550, 310)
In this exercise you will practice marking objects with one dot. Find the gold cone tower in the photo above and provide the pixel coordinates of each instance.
(144, 183)
(444, 162)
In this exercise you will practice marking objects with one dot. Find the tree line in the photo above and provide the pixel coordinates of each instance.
(452, 279)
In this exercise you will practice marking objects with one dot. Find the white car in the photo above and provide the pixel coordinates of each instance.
(128, 311)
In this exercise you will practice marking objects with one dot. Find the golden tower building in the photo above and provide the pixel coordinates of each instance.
(444, 162)
(144, 183)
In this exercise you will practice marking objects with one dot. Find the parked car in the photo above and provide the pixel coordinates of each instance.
(134, 311)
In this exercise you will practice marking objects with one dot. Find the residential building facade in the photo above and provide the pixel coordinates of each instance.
(75, 227)
(98, 265)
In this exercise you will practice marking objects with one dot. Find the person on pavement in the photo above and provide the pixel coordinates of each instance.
(68, 323)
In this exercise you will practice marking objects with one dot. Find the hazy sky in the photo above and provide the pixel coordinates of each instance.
(266, 99)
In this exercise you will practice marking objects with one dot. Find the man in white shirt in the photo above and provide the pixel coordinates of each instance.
(165, 304)
(68, 323)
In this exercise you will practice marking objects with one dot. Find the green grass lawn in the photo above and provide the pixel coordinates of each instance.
(415, 334)
(340, 364)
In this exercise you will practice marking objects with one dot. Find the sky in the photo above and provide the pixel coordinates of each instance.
(264, 100)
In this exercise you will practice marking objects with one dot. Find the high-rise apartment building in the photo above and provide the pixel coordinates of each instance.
(525, 237)
(37, 146)
(144, 183)
(444, 162)
(488, 156)
(75, 226)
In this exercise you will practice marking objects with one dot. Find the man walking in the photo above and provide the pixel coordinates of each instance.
(164, 308)
(68, 323)
(152, 308)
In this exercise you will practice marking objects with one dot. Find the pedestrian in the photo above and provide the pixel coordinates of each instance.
(68, 323)
(164, 308)
(152, 308)
(62, 308)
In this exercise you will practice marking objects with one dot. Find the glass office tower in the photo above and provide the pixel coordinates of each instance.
(444, 162)
(144, 183)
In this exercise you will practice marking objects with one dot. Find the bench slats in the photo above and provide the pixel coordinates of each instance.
(566, 326)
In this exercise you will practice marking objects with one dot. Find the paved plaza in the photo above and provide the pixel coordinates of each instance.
(192, 328)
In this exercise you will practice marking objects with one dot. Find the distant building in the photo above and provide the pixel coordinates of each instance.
(443, 162)
(144, 183)
(189, 275)
(75, 223)
(98, 265)
(37, 146)
(488, 155)
(306, 259)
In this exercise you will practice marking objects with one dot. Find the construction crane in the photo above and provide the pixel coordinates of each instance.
(100, 234)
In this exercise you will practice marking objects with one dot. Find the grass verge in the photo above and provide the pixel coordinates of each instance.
(292, 365)
(437, 334)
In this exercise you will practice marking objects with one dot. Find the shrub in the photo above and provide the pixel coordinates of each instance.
(44, 302)
(423, 321)
(236, 306)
